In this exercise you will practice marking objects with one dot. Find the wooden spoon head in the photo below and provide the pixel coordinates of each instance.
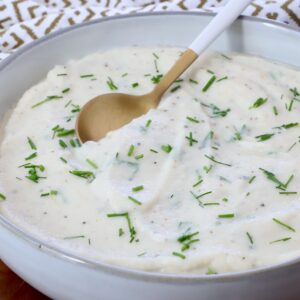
(109, 112)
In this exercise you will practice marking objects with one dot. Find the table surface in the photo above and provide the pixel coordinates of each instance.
(12, 287)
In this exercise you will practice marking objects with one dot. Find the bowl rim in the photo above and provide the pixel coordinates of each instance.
(180, 278)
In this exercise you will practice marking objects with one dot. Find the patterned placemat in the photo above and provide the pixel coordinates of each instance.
(22, 21)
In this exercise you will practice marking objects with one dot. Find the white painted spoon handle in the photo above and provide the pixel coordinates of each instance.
(218, 24)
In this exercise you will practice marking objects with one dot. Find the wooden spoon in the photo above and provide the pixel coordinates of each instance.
(111, 111)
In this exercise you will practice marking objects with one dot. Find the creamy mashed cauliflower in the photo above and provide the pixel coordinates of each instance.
(206, 183)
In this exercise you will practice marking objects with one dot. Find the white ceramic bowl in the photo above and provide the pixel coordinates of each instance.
(63, 276)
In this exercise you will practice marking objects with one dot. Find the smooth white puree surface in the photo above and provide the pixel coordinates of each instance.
(188, 186)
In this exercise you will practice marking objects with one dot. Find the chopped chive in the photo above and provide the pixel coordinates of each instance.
(209, 83)
(66, 90)
(196, 197)
(68, 103)
(179, 255)
(275, 111)
(72, 143)
(148, 123)
(129, 223)
(281, 240)
(51, 193)
(251, 179)
(203, 194)
(31, 156)
(121, 232)
(131, 150)
(187, 239)
(74, 237)
(87, 75)
(134, 200)
(91, 163)
(174, 89)
(62, 74)
(223, 78)
(156, 67)
(194, 120)
(63, 144)
(212, 158)
(288, 193)
(226, 216)
(139, 156)
(226, 57)
(154, 151)
(155, 55)
(264, 137)
(66, 132)
(271, 176)
(167, 148)
(49, 98)
(83, 174)
(137, 188)
(249, 237)
(111, 84)
(191, 139)
(2, 197)
(193, 81)
(210, 71)
(124, 75)
(259, 102)
(207, 169)
(225, 199)
(198, 182)
(284, 224)
(211, 203)
(156, 79)
(63, 160)
(135, 84)
(31, 143)
(289, 125)
(291, 147)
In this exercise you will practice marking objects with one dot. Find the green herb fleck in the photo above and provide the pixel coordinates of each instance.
(249, 237)
(91, 163)
(226, 216)
(179, 255)
(191, 139)
(31, 143)
(131, 150)
(284, 224)
(83, 174)
(174, 89)
(209, 83)
(259, 102)
(66, 90)
(134, 200)
(137, 188)
(212, 158)
(193, 81)
(31, 156)
(49, 98)
(111, 84)
(281, 240)
(129, 223)
(167, 148)
(251, 179)
(194, 120)
(264, 137)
